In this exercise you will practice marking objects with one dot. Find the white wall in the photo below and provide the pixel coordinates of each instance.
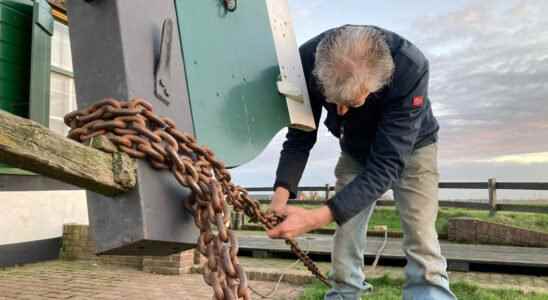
(30, 216)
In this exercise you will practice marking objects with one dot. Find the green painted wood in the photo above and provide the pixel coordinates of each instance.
(42, 30)
(42, 16)
(15, 72)
(15, 45)
(24, 6)
(25, 46)
(231, 69)
(13, 35)
(15, 15)
(10, 54)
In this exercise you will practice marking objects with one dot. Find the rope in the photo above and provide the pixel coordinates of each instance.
(273, 291)
(381, 248)
(270, 294)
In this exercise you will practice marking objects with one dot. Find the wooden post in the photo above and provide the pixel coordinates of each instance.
(241, 219)
(28, 145)
(236, 220)
(327, 192)
(492, 186)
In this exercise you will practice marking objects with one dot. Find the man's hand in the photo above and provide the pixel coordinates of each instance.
(300, 221)
(279, 200)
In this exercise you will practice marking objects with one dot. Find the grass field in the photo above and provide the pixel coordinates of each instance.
(390, 217)
(386, 288)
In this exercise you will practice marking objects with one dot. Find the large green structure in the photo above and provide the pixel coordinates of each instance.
(231, 70)
(230, 76)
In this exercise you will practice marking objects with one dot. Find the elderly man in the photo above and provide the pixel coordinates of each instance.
(374, 86)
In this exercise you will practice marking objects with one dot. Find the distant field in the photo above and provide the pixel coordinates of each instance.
(390, 217)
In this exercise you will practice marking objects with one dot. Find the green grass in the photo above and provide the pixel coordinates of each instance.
(532, 221)
(386, 288)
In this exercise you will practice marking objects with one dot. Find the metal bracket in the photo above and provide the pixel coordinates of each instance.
(163, 68)
(231, 5)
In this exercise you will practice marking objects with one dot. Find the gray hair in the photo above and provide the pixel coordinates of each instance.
(352, 60)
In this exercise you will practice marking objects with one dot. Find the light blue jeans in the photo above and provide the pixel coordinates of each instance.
(416, 196)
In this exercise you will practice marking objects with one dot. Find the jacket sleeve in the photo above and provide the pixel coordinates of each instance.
(394, 142)
(296, 148)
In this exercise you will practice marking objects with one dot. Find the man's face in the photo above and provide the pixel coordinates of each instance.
(359, 100)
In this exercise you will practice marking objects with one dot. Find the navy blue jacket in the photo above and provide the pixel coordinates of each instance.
(381, 134)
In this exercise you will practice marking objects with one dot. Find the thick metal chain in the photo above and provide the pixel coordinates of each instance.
(139, 132)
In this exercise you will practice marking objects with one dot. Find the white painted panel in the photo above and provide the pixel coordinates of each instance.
(291, 69)
(31, 216)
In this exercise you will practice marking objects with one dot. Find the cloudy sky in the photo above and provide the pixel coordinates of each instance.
(489, 67)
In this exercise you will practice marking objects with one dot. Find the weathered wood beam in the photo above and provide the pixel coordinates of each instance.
(30, 146)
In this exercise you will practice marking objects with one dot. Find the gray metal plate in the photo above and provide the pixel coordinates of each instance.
(115, 47)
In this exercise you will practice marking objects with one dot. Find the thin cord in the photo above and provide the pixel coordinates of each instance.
(275, 288)
(272, 292)
(381, 248)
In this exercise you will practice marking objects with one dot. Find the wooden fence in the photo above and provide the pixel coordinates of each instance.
(490, 185)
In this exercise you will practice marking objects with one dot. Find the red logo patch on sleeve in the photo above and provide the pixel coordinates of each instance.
(418, 101)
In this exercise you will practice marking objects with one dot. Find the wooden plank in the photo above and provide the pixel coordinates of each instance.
(460, 266)
(40, 61)
(467, 253)
(28, 145)
(59, 15)
(463, 185)
(291, 69)
(466, 205)
(442, 203)
(537, 186)
(442, 185)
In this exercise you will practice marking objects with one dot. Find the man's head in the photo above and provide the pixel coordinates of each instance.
(351, 63)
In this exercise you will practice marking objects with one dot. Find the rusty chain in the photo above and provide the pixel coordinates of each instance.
(139, 132)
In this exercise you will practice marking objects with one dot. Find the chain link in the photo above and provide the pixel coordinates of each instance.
(139, 132)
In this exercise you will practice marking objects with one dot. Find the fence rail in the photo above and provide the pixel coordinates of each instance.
(533, 186)
(490, 185)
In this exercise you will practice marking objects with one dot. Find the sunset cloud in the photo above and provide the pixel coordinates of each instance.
(489, 64)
